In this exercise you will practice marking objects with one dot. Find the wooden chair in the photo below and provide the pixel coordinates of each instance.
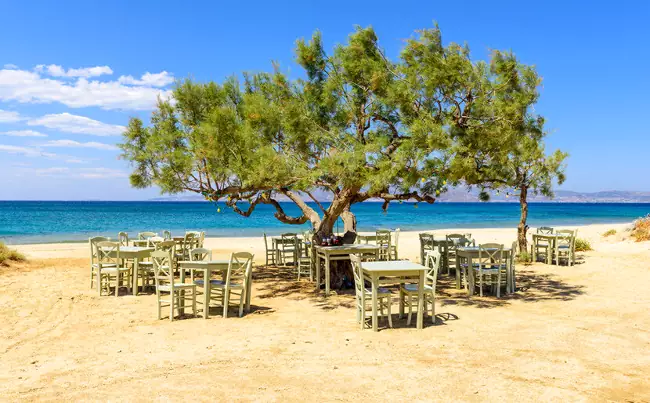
(237, 282)
(393, 247)
(304, 260)
(542, 246)
(169, 291)
(200, 254)
(144, 236)
(408, 293)
(454, 241)
(182, 250)
(271, 253)
(167, 235)
(565, 247)
(426, 244)
(513, 253)
(94, 258)
(123, 239)
(364, 296)
(490, 269)
(109, 268)
(382, 238)
(145, 267)
(288, 248)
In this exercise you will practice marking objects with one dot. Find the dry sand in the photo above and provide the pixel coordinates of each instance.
(568, 333)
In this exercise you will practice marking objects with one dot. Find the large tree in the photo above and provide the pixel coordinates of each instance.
(358, 126)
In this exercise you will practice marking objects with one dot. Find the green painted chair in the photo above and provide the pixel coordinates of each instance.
(271, 252)
(170, 292)
(94, 258)
(237, 283)
(123, 239)
(110, 268)
(363, 296)
(304, 260)
(542, 246)
(383, 240)
(408, 293)
(490, 269)
(394, 245)
(288, 248)
(427, 243)
(565, 245)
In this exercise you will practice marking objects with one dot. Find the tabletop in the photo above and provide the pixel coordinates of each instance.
(346, 247)
(392, 265)
(205, 262)
(476, 249)
(135, 249)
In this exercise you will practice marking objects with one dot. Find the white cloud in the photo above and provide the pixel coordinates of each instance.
(87, 72)
(161, 79)
(10, 66)
(76, 161)
(77, 144)
(30, 87)
(23, 133)
(83, 173)
(9, 116)
(26, 151)
(69, 123)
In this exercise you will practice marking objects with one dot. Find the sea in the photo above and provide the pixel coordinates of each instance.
(73, 221)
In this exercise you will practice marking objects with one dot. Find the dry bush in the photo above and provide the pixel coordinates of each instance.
(609, 232)
(641, 229)
(7, 255)
(582, 245)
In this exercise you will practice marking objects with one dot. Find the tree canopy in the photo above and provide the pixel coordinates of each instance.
(356, 126)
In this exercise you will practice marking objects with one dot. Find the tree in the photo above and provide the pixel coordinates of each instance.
(518, 160)
(358, 126)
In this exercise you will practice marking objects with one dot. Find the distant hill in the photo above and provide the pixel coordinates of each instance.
(463, 195)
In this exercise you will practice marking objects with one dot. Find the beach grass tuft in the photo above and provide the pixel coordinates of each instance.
(609, 232)
(525, 258)
(7, 255)
(641, 229)
(582, 245)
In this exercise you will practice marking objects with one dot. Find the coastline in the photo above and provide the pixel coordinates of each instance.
(409, 243)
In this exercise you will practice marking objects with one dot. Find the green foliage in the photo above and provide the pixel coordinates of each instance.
(582, 245)
(7, 255)
(358, 126)
(524, 258)
(609, 232)
(641, 229)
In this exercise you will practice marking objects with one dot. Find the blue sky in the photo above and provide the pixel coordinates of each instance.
(73, 72)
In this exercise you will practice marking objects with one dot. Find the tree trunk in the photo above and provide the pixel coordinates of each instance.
(522, 227)
(349, 220)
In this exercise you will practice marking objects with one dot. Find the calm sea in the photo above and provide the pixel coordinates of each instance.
(52, 221)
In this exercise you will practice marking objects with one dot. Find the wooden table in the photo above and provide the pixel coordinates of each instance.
(441, 243)
(342, 252)
(390, 271)
(207, 267)
(472, 252)
(550, 238)
(136, 253)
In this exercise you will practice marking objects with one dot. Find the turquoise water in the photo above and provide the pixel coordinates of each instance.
(49, 221)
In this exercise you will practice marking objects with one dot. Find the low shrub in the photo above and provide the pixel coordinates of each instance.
(7, 255)
(525, 258)
(609, 232)
(582, 245)
(641, 229)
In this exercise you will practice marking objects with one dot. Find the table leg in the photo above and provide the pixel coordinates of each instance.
(401, 302)
(457, 272)
(206, 294)
(327, 274)
(420, 322)
(508, 275)
(135, 275)
(469, 276)
(317, 272)
(374, 303)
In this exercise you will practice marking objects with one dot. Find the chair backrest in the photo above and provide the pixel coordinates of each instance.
(239, 268)
(200, 254)
(266, 242)
(396, 238)
(201, 239)
(146, 235)
(513, 252)
(108, 253)
(94, 258)
(433, 264)
(167, 234)
(455, 240)
(565, 232)
(163, 268)
(123, 239)
(564, 237)
(165, 245)
(427, 241)
(468, 235)
(490, 254)
(382, 238)
(545, 230)
(188, 241)
(289, 240)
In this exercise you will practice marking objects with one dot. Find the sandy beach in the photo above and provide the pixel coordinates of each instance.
(568, 333)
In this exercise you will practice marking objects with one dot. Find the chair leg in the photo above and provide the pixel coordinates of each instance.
(390, 316)
(401, 301)
(226, 301)
(241, 304)
(408, 318)
(172, 298)
(433, 308)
